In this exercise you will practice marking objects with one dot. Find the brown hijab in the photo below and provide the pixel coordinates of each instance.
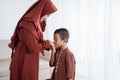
(39, 9)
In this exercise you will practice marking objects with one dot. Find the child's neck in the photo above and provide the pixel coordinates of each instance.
(63, 47)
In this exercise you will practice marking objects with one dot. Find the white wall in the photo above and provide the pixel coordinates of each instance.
(94, 26)
(10, 13)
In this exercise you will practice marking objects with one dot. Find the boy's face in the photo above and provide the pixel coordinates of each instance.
(57, 41)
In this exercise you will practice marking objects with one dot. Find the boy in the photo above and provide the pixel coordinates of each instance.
(61, 57)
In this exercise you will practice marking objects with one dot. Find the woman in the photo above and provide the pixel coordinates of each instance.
(27, 41)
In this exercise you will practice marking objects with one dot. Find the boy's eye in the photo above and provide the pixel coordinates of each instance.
(55, 40)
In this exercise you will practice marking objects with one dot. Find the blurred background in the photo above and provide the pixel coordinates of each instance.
(94, 27)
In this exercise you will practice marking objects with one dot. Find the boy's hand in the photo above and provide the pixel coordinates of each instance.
(53, 50)
(50, 42)
(52, 46)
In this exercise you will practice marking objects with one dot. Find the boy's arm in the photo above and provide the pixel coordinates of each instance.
(51, 63)
(52, 60)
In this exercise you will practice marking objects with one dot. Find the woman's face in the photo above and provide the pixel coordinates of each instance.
(44, 18)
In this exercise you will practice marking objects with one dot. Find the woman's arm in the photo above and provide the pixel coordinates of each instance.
(30, 41)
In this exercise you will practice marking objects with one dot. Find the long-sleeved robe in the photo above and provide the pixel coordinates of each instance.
(64, 64)
(27, 41)
(25, 60)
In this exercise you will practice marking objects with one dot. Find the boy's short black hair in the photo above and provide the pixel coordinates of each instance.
(63, 32)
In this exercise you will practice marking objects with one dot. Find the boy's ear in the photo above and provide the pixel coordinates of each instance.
(65, 40)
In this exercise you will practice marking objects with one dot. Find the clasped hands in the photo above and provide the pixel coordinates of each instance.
(53, 50)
